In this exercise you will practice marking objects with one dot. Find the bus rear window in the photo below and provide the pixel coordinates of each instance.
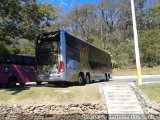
(47, 53)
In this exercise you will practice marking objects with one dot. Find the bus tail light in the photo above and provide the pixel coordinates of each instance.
(61, 67)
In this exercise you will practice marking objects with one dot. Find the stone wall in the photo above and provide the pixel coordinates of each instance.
(151, 110)
(86, 111)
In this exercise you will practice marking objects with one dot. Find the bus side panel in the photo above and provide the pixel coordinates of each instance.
(99, 63)
(31, 76)
(26, 73)
(73, 56)
(21, 72)
(2, 76)
(5, 72)
(18, 72)
(92, 60)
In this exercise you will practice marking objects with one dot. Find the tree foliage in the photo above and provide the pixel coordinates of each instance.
(150, 47)
(107, 25)
(22, 19)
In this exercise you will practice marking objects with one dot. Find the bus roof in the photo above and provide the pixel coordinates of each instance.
(25, 55)
(82, 40)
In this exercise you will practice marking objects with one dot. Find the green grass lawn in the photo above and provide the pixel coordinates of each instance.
(46, 94)
(131, 72)
(152, 91)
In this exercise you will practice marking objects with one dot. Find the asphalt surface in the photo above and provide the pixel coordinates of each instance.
(131, 79)
(124, 79)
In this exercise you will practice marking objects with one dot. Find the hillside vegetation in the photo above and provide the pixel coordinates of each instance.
(107, 25)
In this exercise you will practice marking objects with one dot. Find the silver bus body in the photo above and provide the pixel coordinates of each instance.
(75, 57)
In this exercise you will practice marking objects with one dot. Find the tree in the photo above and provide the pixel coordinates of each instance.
(49, 13)
(82, 20)
(22, 23)
(150, 47)
(153, 19)
(109, 10)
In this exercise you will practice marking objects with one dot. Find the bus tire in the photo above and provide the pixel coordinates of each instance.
(1, 86)
(56, 83)
(12, 82)
(38, 82)
(22, 84)
(88, 81)
(81, 80)
(107, 78)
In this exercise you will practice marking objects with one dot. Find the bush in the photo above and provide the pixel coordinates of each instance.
(4, 52)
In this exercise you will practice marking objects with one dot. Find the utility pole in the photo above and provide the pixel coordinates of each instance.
(139, 74)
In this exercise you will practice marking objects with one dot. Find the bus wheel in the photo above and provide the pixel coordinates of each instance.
(22, 84)
(38, 82)
(12, 82)
(81, 80)
(107, 77)
(88, 79)
(56, 83)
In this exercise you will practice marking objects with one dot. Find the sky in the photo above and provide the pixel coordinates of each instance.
(68, 4)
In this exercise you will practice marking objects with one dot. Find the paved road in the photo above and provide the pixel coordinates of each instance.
(125, 79)
(129, 79)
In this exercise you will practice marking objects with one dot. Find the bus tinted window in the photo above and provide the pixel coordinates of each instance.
(29, 60)
(17, 59)
(73, 54)
(10, 60)
(47, 52)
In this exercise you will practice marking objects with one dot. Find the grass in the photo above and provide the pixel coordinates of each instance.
(51, 95)
(132, 72)
(152, 91)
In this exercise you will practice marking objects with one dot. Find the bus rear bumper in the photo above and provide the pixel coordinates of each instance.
(52, 78)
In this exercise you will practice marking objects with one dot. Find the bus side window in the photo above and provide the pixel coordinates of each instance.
(73, 57)
(25, 61)
(10, 60)
(28, 60)
(18, 59)
(31, 61)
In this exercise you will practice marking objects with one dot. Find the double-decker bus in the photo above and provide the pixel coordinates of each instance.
(17, 69)
(62, 57)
